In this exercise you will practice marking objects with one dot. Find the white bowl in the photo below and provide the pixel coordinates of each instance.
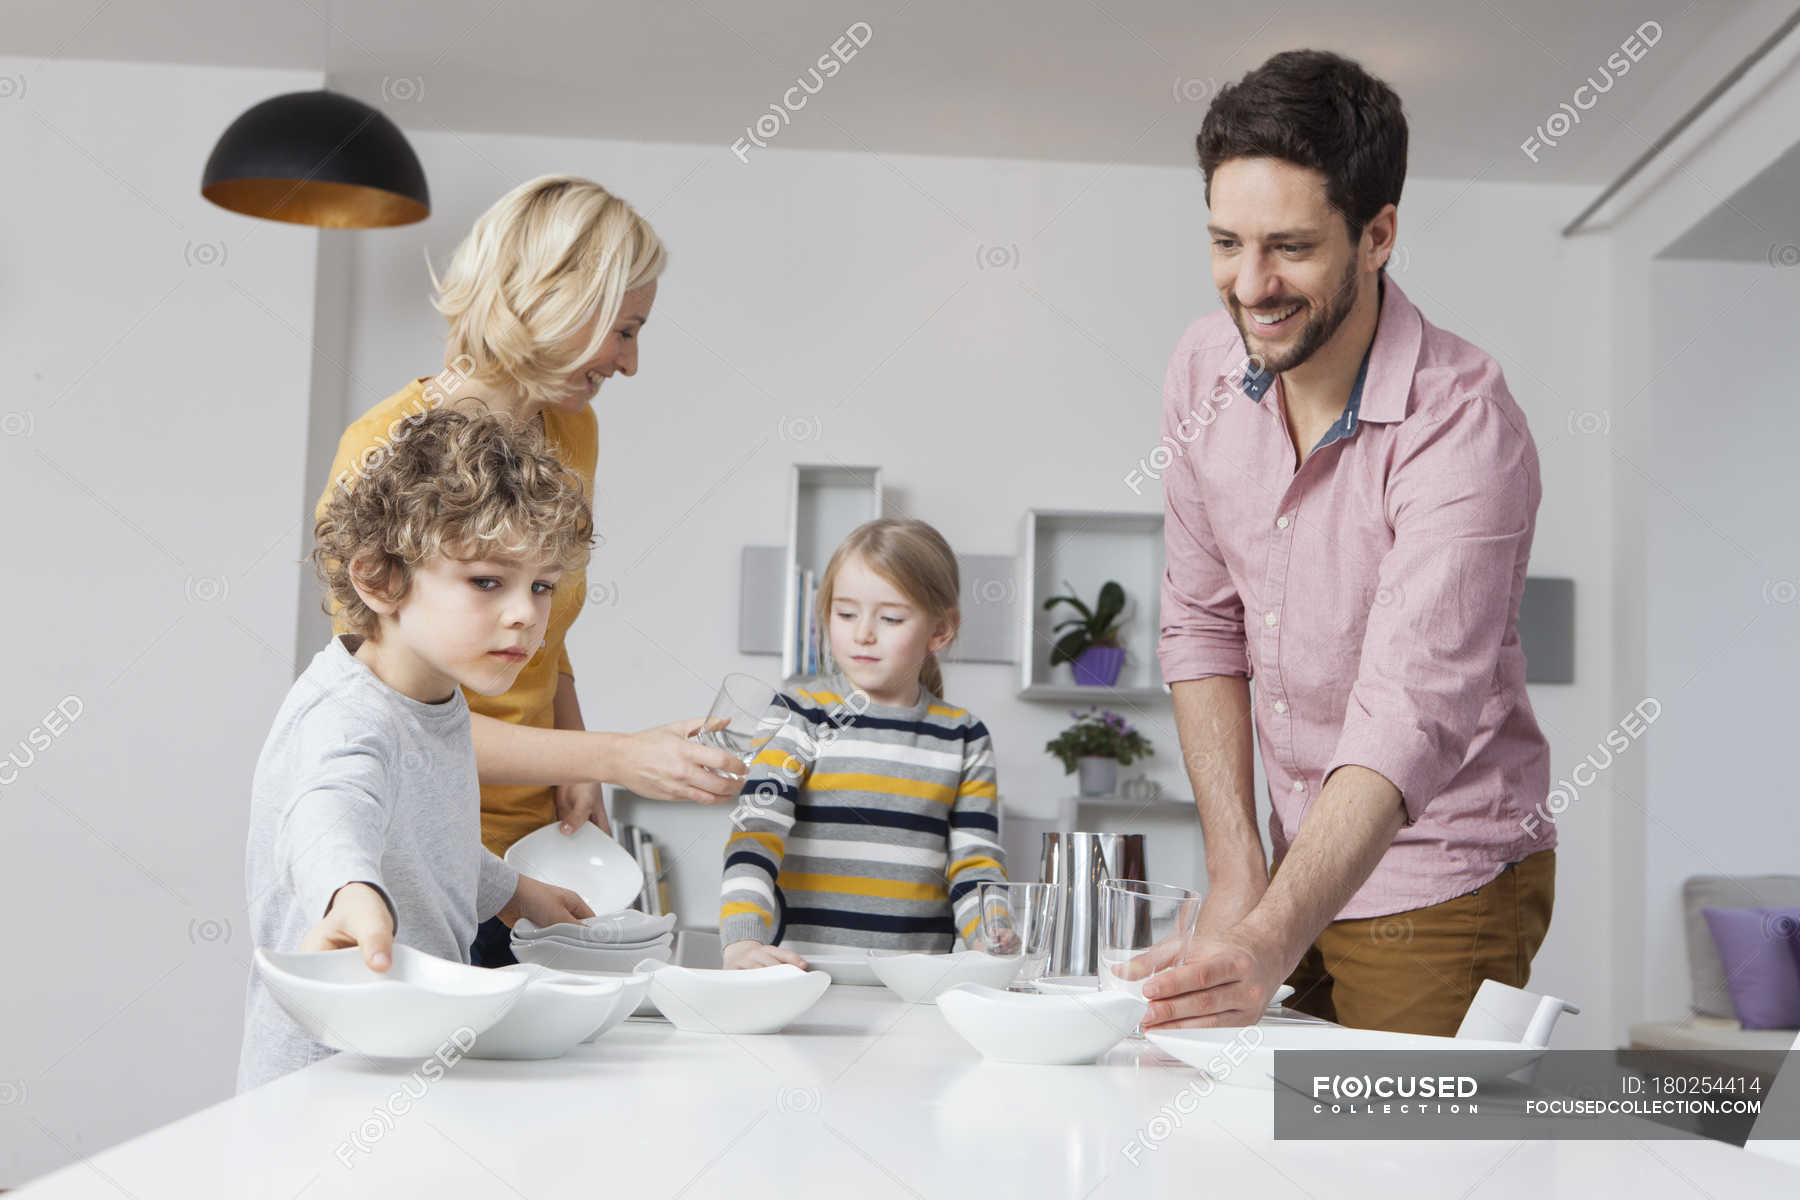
(410, 1011)
(758, 1000)
(918, 978)
(1022, 1028)
(1246, 1056)
(633, 1000)
(559, 955)
(628, 928)
(850, 968)
(587, 862)
(1068, 985)
(556, 1013)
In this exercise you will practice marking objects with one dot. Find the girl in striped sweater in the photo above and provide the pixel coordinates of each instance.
(871, 818)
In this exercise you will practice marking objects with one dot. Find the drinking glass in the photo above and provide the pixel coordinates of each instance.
(745, 716)
(1136, 917)
(1019, 920)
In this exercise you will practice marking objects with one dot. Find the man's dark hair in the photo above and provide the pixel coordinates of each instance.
(1319, 110)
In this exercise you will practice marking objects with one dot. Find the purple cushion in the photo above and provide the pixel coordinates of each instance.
(1760, 951)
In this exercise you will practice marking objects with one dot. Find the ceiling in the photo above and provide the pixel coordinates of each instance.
(1122, 81)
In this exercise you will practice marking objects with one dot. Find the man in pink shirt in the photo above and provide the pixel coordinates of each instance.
(1350, 506)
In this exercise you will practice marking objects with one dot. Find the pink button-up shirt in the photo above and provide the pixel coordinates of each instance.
(1373, 594)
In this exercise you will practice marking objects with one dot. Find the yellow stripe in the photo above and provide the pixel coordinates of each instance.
(856, 885)
(825, 699)
(980, 860)
(979, 787)
(885, 785)
(970, 927)
(779, 759)
(768, 841)
(738, 908)
(944, 710)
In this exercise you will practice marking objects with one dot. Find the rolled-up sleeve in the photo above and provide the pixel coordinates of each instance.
(1463, 497)
(1202, 613)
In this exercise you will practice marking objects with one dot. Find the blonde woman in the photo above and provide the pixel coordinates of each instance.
(546, 298)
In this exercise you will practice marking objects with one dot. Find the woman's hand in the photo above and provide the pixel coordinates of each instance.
(741, 956)
(543, 904)
(358, 916)
(579, 803)
(663, 764)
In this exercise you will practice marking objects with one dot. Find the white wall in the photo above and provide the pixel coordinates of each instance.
(994, 335)
(1724, 589)
(153, 399)
(1748, 129)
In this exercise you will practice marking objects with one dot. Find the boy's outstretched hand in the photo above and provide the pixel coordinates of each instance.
(358, 916)
(741, 956)
(543, 904)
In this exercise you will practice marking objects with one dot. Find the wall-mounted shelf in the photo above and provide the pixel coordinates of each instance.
(825, 503)
(1080, 693)
(1061, 548)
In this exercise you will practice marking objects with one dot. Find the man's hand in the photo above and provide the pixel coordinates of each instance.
(1225, 980)
(579, 803)
(358, 916)
(543, 904)
(662, 763)
(1225, 904)
(741, 956)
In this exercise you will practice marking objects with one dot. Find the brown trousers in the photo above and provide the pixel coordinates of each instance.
(1417, 971)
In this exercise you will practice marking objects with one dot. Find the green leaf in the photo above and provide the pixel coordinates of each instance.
(1112, 603)
(1069, 647)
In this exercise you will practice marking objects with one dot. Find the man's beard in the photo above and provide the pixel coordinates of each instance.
(1316, 332)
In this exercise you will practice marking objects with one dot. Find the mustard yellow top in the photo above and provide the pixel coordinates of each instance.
(507, 813)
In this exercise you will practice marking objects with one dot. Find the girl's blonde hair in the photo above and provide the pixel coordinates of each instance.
(534, 269)
(452, 485)
(917, 560)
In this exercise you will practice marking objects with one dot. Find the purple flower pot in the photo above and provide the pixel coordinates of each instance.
(1098, 666)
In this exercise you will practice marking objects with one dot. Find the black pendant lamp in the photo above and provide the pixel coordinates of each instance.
(317, 158)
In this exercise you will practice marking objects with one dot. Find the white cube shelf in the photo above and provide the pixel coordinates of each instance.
(826, 501)
(1063, 548)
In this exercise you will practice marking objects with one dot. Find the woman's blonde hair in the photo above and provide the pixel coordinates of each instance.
(536, 268)
(460, 486)
(917, 560)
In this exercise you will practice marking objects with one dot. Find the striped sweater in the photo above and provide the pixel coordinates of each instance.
(863, 824)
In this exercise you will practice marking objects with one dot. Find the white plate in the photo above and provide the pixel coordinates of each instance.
(1253, 1048)
(849, 968)
(1052, 1029)
(587, 862)
(919, 978)
(567, 956)
(556, 1013)
(758, 1000)
(667, 939)
(410, 1011)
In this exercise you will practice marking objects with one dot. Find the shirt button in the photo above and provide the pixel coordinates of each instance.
(1269, 617)
(1299, 785)
(1281, 706)
(1281, 522)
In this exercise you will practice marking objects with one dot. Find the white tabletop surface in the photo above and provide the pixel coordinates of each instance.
(864, 1098)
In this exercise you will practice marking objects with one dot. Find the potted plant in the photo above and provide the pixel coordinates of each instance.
(1097, 744)
(1091, 646)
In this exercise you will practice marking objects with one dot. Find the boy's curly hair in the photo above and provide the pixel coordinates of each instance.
(465, 487)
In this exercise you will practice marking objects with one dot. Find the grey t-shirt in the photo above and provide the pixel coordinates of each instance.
(359, 782)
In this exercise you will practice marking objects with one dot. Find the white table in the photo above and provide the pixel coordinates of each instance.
(863, 1098)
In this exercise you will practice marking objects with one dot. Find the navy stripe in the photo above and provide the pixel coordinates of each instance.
(965, 819)
(834, 918)
(959, 890)
(754, 859)
(843, 814)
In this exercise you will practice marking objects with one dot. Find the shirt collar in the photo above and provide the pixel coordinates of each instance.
(1383, 382)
